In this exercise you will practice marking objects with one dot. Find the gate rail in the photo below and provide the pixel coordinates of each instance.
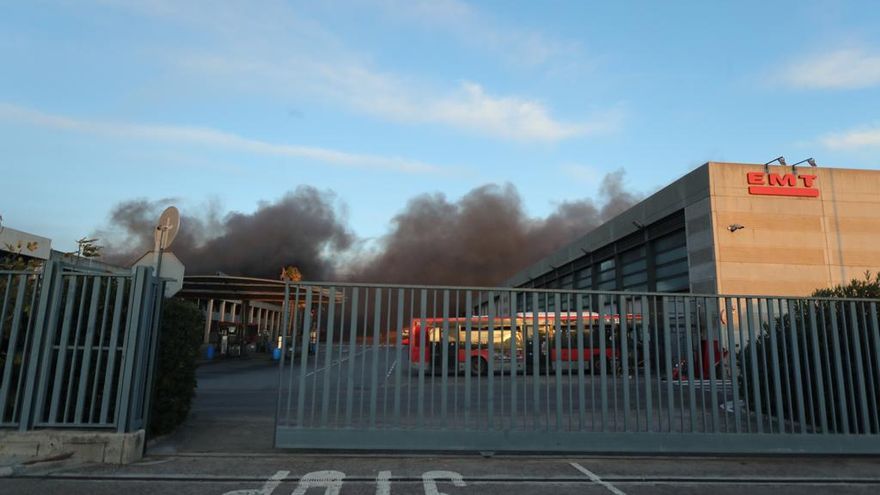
(454, 368)
(76, 347)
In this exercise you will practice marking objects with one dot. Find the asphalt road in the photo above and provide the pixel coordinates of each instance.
(237, 474)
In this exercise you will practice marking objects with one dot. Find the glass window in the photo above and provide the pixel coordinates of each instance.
(584, 279)
(671, 263)
(566, 282)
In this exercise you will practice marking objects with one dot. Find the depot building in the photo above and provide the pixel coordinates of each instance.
(730, 228)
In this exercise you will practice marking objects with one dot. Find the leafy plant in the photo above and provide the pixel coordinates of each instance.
(180, 338)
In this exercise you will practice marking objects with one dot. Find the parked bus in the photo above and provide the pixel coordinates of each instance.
(471, 340)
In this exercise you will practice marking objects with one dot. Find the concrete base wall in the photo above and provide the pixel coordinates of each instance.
(85, 446)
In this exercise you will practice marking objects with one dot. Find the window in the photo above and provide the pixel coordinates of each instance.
(584, 279)
(671, 263)
(634, 266)
(607, 275)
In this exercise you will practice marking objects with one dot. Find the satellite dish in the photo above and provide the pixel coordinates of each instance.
(166, 230)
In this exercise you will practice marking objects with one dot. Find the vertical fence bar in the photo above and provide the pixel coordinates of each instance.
(753, 355)
(352, 349)
(285, 317)
(304, 357)
(689, 345)
(774, 355)
(624, 358)
(860, 370)
(328, 359)
(536, 361)
(838, 368)
(129, 348)
(316, 345)
(18, 309)
(743, 367)
(514, 347)
(110, 372)
(667, 351)
(99, 361)
(398, 358)
(869, 370)
(468, 337)
(444, 366)
(87, 351)
(50, 280)
(61, 356)
(490, 378)
(74, 350)
(603, 364)
(817, 365)
(731, 353)
(875, 329)
(293, 317)
(796, 358)
(713, 384)
(340, 347)
(579, 308)
(646, 353)
(423, 357)
(557, 363)
(374, 381)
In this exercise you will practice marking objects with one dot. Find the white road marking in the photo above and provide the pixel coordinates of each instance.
(429, 481)
(383, 483)
(390, 370)
(268, 487)
(331, 480)
(335, 363)
(596, 479)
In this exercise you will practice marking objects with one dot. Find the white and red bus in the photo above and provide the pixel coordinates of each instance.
(468, 340)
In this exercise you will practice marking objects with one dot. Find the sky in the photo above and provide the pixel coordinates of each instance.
(236, 103)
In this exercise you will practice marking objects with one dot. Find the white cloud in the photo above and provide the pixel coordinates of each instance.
(853, 139)
(210, 137)
(841, 69)
(277, 51)
(470, 26)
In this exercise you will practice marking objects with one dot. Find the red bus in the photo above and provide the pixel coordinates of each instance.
(468, 340)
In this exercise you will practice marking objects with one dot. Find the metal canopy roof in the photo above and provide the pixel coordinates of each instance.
(240, 288)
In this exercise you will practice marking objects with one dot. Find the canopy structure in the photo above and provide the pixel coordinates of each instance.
(246, 289)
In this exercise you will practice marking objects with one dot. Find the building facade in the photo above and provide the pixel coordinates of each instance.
(730, 228)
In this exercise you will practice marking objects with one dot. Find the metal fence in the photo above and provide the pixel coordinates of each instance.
(410, 368)
(75, 347)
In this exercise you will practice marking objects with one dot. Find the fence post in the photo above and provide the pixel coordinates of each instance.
(26, 420)
(132, 331)
(155, 328)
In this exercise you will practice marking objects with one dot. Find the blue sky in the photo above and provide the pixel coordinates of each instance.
(381, 100)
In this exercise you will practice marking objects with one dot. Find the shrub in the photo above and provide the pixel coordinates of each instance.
(828, 361)
(180, 338)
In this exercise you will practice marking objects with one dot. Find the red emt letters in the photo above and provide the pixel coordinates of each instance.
(773, 184)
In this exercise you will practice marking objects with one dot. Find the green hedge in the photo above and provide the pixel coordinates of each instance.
(180, 339)
(837, 378)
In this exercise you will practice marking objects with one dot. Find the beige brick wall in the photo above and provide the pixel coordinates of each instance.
(794, 245)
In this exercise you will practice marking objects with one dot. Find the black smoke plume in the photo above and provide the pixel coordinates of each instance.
(481, 239)
(299, 229)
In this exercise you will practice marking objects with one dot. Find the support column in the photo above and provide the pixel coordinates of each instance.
(209, 317)
(222, 311)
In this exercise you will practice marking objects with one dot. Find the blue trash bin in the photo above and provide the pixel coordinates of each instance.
(209, 352)
(276, 354)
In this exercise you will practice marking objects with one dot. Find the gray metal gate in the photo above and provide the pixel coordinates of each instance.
(443, 368)
(76, 347)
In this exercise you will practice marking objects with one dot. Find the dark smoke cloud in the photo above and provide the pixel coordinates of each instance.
(481, 239)
(299, 229)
